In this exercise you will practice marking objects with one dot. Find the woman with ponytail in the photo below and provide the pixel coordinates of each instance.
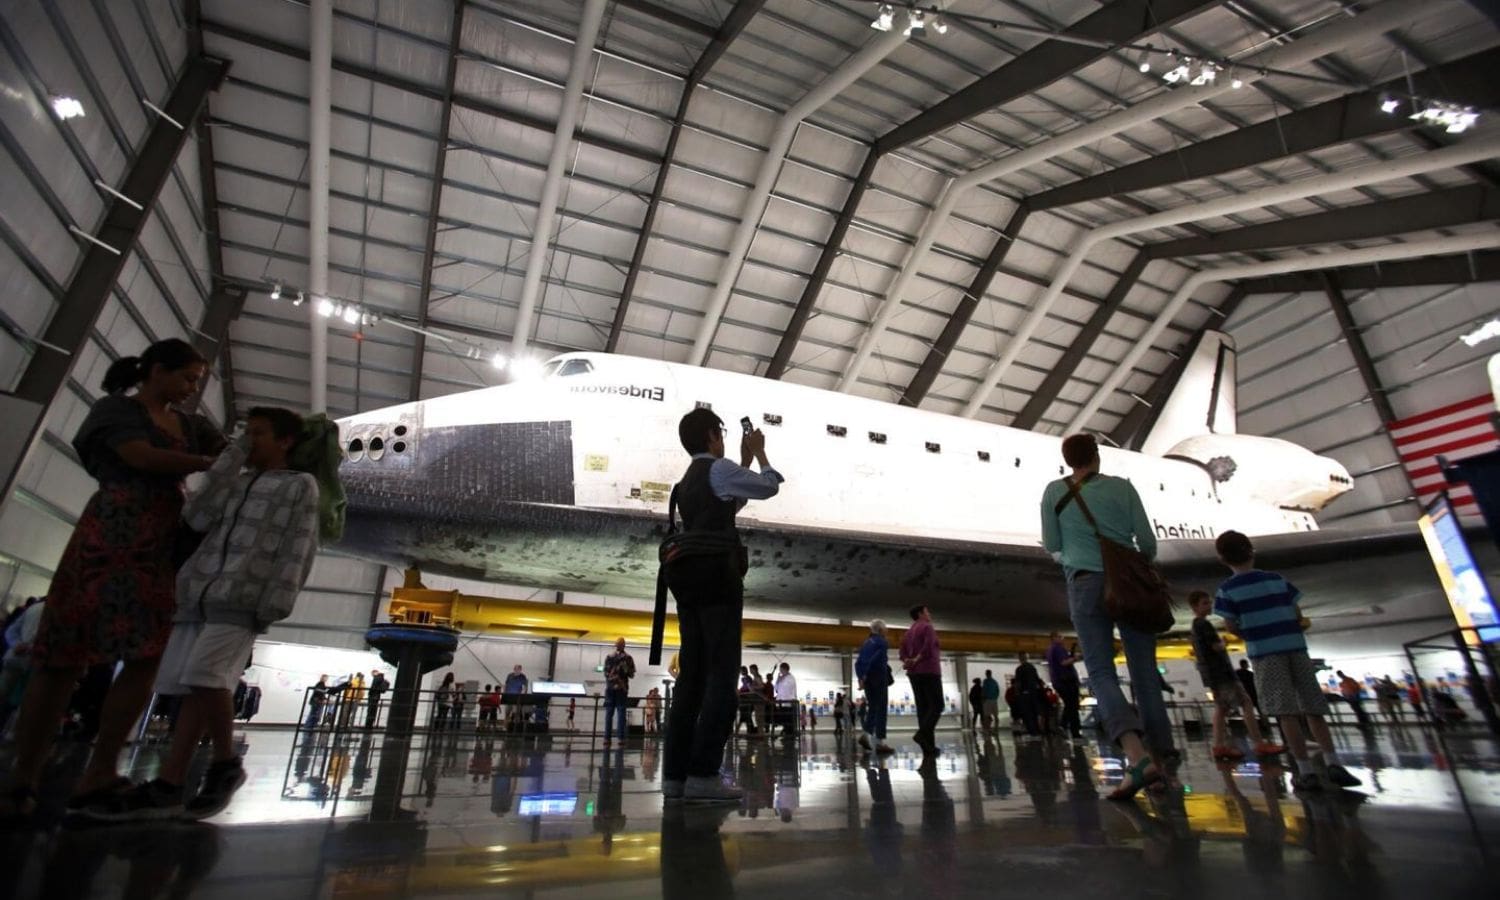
(113, 593)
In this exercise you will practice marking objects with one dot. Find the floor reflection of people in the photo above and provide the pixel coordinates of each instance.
(992, 769)
(884, 834)
(1038, 778)
(1083, 798)
(1337, 841)
(503, 780)
(938, 848)
(482, 761)
(756, 778)
(165, 860)
(1265, 831)
(361, 771)
(692, 853)
(650, 759)
(609, 816)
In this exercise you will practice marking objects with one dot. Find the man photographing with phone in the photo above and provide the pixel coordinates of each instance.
(706, 576)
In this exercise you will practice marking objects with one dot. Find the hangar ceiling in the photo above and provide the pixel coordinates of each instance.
(903, 246)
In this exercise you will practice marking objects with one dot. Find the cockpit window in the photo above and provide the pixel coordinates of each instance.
(551, 368)
(575, 367)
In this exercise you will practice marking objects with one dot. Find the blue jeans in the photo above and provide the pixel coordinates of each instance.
(614, 710)
(1096, 637)
(876, 697)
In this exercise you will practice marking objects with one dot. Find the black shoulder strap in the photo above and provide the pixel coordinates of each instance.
(659, 613)
(1075, 491)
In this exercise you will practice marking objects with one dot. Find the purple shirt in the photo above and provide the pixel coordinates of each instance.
(1056, 670)
(921, 640)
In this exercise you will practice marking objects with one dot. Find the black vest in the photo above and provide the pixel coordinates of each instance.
(701, 510)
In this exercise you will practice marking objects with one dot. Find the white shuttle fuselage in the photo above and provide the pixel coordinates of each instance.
(869, 471)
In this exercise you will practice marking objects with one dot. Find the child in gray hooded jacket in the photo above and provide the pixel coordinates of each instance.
(260, 531)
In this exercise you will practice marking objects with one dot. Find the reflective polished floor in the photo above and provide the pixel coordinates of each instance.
(559, 816)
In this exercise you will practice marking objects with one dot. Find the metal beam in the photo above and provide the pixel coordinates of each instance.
(208, 192)
(1120, 22)
(1059, 374)
(1357, 349)
(1131, 431)
(1445, 208)
(406, 85)
(434, 204)
(1466, 268)
(1347, 118)
(819, 276)
(670, 16)
(958, 320)
(734, 23)
(1124, 21)
(79, 307)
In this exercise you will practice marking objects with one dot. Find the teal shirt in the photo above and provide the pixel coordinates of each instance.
(1117, 508)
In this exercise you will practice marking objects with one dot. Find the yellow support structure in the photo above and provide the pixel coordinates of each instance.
(414, 603)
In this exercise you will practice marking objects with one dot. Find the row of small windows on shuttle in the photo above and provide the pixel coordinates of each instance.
(374, 446)
(1340, 479)
(879, 437)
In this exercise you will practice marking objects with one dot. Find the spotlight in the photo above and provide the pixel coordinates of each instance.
(1180, 73)
(351, 314)
(1206, 75)
(1453, 118)
(1389, 104)
(914, 24)
(1144, 63)
(1237, 83)
(326, 307)
(525, 369)
(885, 18)
(1488, 331)
(275, 292)
(498, 361)
(939, 25)
(67, 108)
(299, 299)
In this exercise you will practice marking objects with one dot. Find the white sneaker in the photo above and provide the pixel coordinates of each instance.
(698, 789)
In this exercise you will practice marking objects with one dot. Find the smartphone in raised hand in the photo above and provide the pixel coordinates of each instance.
(747, 425)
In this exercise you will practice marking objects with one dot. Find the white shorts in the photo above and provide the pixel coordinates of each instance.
(202, 655)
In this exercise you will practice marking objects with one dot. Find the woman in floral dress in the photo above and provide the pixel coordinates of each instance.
(113, 593)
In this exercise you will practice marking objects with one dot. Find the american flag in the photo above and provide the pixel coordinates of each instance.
(1454, 431)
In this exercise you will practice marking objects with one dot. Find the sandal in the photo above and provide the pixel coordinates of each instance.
(1139, 777)
(99, 794)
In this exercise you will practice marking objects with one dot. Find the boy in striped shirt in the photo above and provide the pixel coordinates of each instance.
(1261, 607)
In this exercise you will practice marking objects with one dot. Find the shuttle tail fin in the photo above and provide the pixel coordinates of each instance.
(1203, 402)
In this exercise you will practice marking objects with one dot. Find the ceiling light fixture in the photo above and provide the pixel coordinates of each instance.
(1389, 104)
(939, 25)
(1174, 75)
(1206, 75)
(299, 299)
(1485, 332)
(275, 292)
(885, 18)
(67, 108)
(351, 314)
(1237, 82)
(1451, 117)
(326, 307)
(498, 361)
(914, 24)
